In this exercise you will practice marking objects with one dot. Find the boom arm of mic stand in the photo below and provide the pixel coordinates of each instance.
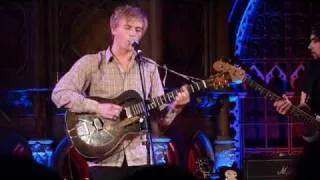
(189, 78)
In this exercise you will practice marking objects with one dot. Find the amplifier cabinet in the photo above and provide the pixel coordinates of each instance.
(269, 169)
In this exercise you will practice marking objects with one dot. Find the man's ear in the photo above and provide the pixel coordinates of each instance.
(112, 29)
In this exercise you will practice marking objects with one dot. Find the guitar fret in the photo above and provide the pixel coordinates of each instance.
(151, 104)
(267, 94)
(154, 103)
(198, 86)
(175, 93)
(157, 101)
(140, 108)
(137, 108)
(134, 109)
(164, 99)
(131, 110)
(204, 84)
(171, 99)
(192, 89)
(161, 100)
(172, 96)
(167, 99)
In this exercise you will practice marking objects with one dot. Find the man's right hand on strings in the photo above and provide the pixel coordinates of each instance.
(109, 111)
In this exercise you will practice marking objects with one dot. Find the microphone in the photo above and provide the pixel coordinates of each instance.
(136, 46)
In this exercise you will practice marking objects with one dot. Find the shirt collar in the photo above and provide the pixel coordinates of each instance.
(109, 55)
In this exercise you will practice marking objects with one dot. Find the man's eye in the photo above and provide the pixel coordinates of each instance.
(315, 40)
(138, 29)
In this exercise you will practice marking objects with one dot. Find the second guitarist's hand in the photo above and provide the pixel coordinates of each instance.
(109, 111)
(283, 105)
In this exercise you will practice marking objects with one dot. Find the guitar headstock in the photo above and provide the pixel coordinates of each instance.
(218, 81)
(236, 73)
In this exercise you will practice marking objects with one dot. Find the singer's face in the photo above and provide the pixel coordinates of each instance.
(126, 31)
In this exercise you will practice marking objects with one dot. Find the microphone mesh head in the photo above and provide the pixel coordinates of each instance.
(135, 43)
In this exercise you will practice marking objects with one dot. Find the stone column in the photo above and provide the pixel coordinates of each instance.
(227, 145)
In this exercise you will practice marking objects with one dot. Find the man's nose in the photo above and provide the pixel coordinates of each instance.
(309, 46)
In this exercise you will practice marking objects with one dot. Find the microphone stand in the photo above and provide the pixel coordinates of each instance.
(146, 112)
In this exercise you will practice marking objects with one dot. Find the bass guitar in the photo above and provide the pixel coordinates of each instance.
(238, 74)
(95, 138)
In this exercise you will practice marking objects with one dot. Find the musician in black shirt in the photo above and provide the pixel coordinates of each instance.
(310, 102)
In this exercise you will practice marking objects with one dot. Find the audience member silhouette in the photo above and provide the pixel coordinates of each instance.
(161, 172)
(17, 167)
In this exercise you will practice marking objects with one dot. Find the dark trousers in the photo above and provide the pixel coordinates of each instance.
(113, 173)
(307, 166)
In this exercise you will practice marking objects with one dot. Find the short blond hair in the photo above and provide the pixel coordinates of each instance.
(128, 12)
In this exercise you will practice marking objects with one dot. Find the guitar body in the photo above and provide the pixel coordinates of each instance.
(96, 138)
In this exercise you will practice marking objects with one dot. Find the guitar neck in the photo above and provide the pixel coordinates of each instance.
(171, 96)
(167, 98)
(294, 110)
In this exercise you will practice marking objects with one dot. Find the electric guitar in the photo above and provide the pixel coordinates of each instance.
(238, 74)
(95, 138)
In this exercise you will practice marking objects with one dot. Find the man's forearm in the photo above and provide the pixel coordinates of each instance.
(168, 114)
(74, 101)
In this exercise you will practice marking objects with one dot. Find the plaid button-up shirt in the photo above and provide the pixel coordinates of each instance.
(101, 75)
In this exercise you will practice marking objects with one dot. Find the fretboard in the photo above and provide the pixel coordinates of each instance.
(294, 110)
(137, 109)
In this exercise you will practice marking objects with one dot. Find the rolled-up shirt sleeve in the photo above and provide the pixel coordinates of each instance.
(69, 92)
